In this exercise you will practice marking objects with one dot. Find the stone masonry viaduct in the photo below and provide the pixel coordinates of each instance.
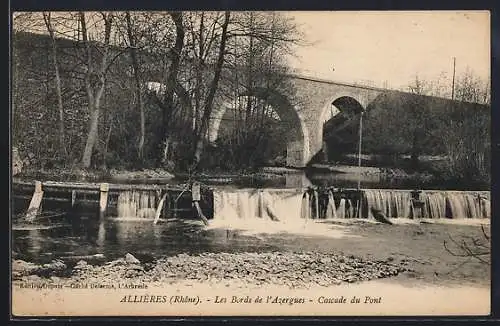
(312, 107)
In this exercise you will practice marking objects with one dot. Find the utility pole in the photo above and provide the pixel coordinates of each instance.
(453, 81)
(358, 210)
(359, 146)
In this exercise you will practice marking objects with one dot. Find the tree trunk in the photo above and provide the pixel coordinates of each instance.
(140, 102)
(106, 144)
(211, 94)
(199, 74)
(91, 138)
(94, 96)
(48, 24)
(250, 76)
(60, 106)
(167, 106)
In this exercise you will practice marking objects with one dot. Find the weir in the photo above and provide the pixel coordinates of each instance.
(280, 205)
(120, 200)
(274, 204)
(312, 203)
(140, 204)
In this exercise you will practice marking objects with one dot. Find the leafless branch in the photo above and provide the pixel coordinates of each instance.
(469, 247)
(484, 232)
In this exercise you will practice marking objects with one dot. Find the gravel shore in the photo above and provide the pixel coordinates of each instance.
(295, 270)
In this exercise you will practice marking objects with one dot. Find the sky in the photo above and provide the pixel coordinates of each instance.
(391, 48)
(388, 48)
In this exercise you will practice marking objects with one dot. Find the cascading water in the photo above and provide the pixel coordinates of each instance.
(341, 209)
(272, 211)
(393, 203)
(434, 204)
(295, 205)
(331, 210)
(279, 205)
(137, 204)
(456, 204)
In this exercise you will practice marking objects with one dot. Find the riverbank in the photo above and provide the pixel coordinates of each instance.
(405, 262)
(321, 175)
(95, 175)
(295, 270)
(318, 253)
(224, 284)
(217, 177)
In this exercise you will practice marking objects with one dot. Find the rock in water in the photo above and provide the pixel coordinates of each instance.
(129, 258)
(380, 217)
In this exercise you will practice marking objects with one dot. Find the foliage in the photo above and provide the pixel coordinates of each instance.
(130, 115)
(427, 125)
(136, 125)
(413, 129)
(257, 147)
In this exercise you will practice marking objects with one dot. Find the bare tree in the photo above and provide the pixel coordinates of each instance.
(186, 52)
(95, 80)
(137, 83)
(162, 141)
(419, 117)
(466, 129)
(258, 42)
(471, 88)
(253, 59)
(478, 247)
(50, 29)
(207, 110)
(202, 27)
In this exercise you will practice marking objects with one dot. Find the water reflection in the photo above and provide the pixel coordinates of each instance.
(347, 180)
(308, 178)
(86, 236)
(297, 180)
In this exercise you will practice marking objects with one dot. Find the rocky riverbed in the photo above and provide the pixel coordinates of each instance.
(295, 270)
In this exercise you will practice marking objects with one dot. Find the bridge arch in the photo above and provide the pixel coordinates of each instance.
(344, 104)
(343, 109)
(297, 134)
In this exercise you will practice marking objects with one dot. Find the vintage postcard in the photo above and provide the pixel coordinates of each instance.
(250, 163)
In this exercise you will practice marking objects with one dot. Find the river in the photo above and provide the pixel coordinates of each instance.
(84, 233)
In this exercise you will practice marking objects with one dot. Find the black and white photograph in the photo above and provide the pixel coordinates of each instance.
(250, 163)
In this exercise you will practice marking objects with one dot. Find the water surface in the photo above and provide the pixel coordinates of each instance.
(113, 238)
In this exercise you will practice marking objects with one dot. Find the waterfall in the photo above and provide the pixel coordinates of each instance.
(293, 205)
(393, 203)
(137, 204)
(456, 204)
(434, 204)
(345, 209)
(272, 204)
(316, 204)
(331, 210)
(341, 209)
(349, 209)
(305, 208)
(486, 207)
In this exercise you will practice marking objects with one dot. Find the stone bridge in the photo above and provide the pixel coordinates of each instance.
(316, 102)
